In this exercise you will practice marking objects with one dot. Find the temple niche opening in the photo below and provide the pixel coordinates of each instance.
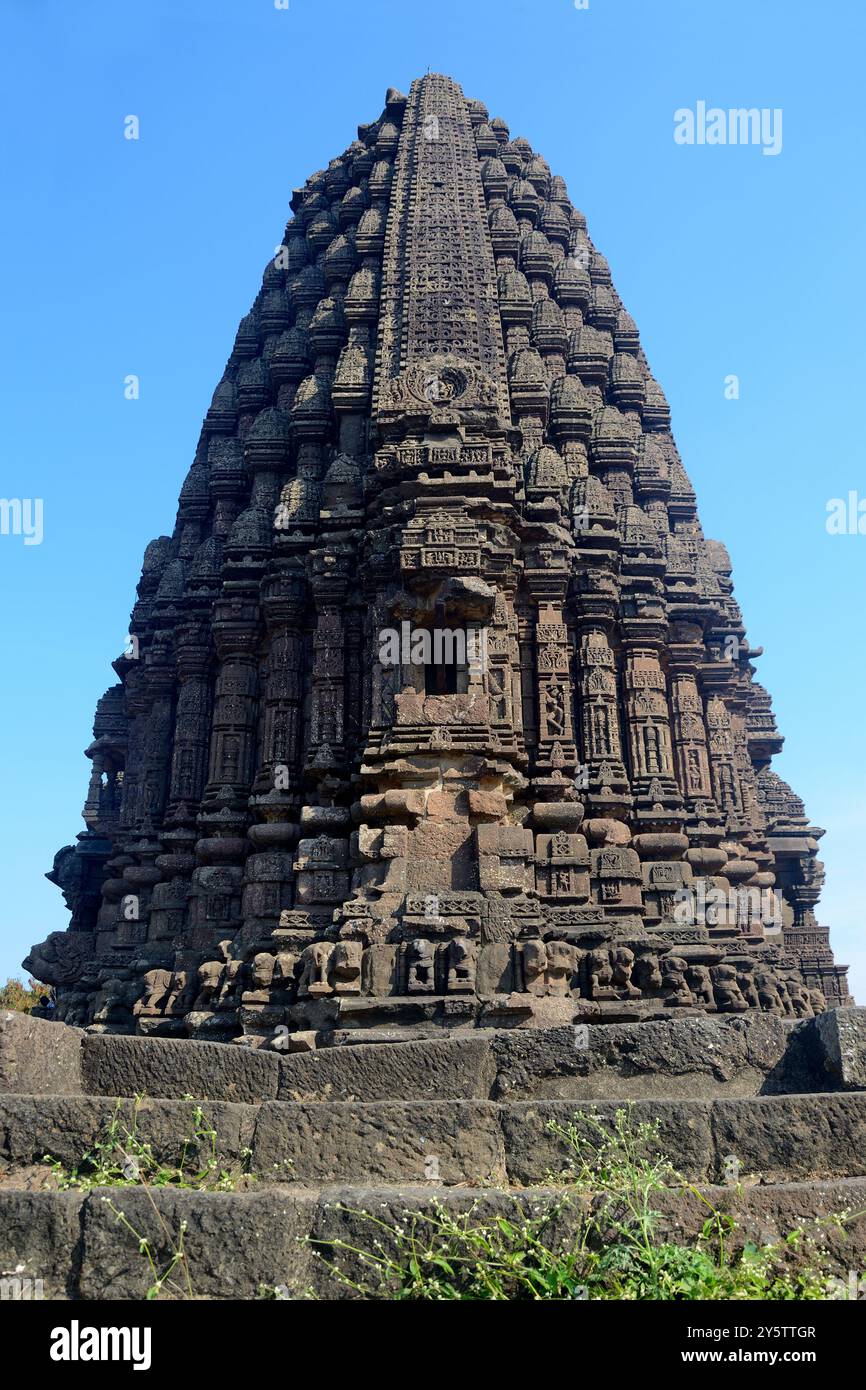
(553, 802)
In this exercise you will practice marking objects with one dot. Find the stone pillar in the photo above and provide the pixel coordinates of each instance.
(556, 753)
(330, 585)
(601, 743)
(690, 736)
(233, 743)
(193, 718)
(726, 783)
(284, 602)
(648, 722)
(503, 673)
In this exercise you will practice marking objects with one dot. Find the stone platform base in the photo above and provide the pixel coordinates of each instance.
(382, 1128)
(241, 1244)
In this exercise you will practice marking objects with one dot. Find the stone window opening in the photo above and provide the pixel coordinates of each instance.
(452, 655)
(447, 670)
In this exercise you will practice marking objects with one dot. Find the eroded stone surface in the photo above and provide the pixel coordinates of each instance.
(755, 1139)
(236, 1243)
(239, 1244)
(842, 1038)
(164, 1067)
(454, 1069)
(66, 1127)
(39, 1243)
(34, 1057)
(712, 1057)
(382, 1141)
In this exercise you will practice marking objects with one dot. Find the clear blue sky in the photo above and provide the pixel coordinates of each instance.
(123, 257)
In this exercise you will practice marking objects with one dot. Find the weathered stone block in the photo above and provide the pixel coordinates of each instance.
(39, 1233)
(784, 1138)
(689, 1057)
(66, 1127)
(38, 1056)
(236, 1243)
(453, 1069)
(841, 1038)
(534, 1151)
(448, 1141)
(492, 804)
(113, 1066)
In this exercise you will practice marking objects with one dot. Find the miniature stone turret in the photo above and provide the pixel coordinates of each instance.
(438, 711)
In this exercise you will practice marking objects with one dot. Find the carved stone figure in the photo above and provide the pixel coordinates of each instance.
(728, 996)
(346, 967)
(746, 983)
(562, 960)
(420, 967)
(113, 1002)
(674, 983)
(700, 983)
(533, 956)
(210, 974)
(769, 992)
(315, 961)
(646, 974)
(621, 964)
(260, 978)
(156, 987)
(600, 974)
(462, 961)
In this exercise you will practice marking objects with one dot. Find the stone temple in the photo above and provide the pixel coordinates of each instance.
(438, 711)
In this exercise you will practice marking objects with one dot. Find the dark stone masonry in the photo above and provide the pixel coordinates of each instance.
(438, 712)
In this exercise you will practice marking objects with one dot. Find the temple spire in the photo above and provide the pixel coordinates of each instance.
(439, 709)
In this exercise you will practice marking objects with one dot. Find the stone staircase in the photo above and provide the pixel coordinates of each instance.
(391, 1127)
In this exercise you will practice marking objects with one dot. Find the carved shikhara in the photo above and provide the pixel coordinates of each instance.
(438, 415)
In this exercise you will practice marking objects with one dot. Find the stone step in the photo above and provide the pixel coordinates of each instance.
(238, 1244)
(771, 1139)
(735, 1055)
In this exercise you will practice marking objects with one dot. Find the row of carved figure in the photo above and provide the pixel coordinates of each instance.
(460, 966)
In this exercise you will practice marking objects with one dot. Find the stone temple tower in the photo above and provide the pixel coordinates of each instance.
(438, 711)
